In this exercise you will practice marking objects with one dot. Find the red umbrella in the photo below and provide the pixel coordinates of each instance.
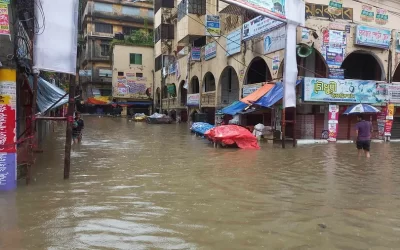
(231, 134)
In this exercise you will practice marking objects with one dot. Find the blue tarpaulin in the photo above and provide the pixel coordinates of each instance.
(234, 108)
(273, 96)
(201, 127)
(48, 94)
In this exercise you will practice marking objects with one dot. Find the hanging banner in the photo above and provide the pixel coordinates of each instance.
(367, 13)
(381, 120)
(272, 8)
(275, 63)
(336, 90)
(334, 56)
(193, 99)
(210, 51)
(258, 26)
(4, 20)
(388, 93)
(335, 7)
(8, 149)
(196, 54)
(382, 16)
(333, 122)
(275, 40)
(213, 27)
(373, 37)
(336, 74)
(233, 42)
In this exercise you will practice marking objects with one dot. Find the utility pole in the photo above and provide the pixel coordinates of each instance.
(70, 120)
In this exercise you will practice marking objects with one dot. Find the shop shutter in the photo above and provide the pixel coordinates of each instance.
(343, 127)
(319, 125)
(396, 128)
(305, 126)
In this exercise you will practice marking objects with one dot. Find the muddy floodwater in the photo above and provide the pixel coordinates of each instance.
(138, 186)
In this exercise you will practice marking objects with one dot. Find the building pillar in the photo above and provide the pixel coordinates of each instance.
(124, 112)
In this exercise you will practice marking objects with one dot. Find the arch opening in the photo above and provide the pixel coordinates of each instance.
(194, 85)
(258, 71)
(228, 86)
(363, 65)
(209, 82)
(182, 93)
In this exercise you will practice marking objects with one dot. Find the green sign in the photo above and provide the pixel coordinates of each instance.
(5, 1)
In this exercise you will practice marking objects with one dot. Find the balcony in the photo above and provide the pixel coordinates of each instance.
(208, 99)
(172, 103)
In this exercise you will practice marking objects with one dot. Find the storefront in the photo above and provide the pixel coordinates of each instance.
(324, 102)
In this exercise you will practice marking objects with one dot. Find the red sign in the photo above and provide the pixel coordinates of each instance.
(7, 129)
(333, 122)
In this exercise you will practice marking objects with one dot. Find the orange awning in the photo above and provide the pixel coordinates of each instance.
(98, 100)
(253, 97)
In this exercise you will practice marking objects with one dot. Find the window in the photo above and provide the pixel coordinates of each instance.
(164, 31)
(105, 49)
(129, 30)
(120, 73)
(139, 74)
(135, 58)
(158, 4)
(182, 9)
(158, 63)
(103, 28)
(197, 7)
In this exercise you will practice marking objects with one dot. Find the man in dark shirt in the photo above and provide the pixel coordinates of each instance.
(363, 131)
(77, 128)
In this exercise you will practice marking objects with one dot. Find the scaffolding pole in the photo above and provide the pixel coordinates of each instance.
(70, 120)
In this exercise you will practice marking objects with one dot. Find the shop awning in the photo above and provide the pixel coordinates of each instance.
(273, 96)
(256, 95)
(126, 104)
(99, 100)
(234, 108)
(48, 95)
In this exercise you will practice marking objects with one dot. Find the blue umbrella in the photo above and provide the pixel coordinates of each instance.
(361, 108)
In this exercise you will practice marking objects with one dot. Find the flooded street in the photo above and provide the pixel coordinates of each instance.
(139, 186)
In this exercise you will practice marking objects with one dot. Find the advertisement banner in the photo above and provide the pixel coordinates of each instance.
(275, 40)
(274, 8)
(210, 51)
(250, 88)
(333, 122)
(381, 120)
(389, 119)
(334, 56)
(275, 63)
(213, 27)
(367, 13)
(372, 37)
(382, 16)
(85, 72)
(8, 174)
(4, 21)
(193, 99)
(233, 42)
(336, 90)
(335, 7)
(5, 1)
(258, 26)
(130, 86)
(387, 93)
(196, 54)
(336, 74)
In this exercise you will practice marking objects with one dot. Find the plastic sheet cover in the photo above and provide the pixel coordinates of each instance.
(234, 108)
(48, 94)
(201, 127)
(233, 134)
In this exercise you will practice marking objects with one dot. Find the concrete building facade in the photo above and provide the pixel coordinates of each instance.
(100, 21)
(351, 40)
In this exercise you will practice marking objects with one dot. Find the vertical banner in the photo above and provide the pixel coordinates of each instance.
(290, 74)
(381, 119)
(389, 119)
(8, 149)
(333, 122)
(4, 21)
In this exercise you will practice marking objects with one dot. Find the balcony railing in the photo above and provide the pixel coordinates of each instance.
(172, 103)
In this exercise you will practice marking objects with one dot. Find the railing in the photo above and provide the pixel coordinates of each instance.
(172, 103)
(208, 99)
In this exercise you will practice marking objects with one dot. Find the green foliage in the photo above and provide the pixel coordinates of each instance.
(142, 37)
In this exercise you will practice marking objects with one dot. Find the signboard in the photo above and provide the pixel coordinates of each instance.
(336, 74)
(336, 90)
(381, 120)
(274, 8)
(4, 21)
(233, 42)
(213, 27)
(333, 122)
(275, 63)
(130, 86)
(5, 1)
(105, 72)
(334, 56)
(210, 51)
(372, 37)
(258, 26)
(275, 40)
(388, 93)
(196, 54)
(250, 88)
(367, 13)
(193, 99)
(335, 7)
(382, 16)
(84, 72)
(8, 149)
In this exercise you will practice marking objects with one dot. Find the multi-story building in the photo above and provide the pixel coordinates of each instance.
(100, 21)
(342, 39)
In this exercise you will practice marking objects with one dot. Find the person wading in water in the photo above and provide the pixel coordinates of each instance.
(77, 128)
(363, 132)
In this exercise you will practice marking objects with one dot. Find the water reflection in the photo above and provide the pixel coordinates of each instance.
(139, 186)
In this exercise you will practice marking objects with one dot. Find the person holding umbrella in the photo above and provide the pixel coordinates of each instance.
(363, 128)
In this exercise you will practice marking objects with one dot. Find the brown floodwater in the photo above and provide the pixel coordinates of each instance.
(140, 186)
